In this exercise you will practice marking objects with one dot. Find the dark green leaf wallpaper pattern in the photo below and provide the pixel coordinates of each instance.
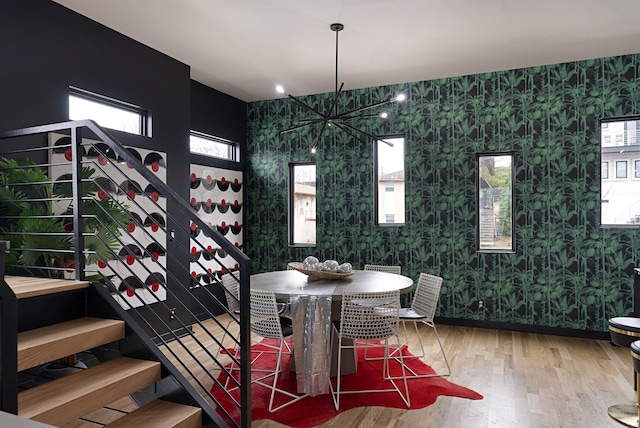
(566, 272)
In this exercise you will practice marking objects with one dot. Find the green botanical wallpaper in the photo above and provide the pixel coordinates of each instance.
(566, 272)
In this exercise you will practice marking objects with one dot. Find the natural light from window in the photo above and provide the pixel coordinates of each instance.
(211, 146)
(105, 115)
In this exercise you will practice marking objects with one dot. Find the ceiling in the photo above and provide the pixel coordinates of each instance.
(245, 47)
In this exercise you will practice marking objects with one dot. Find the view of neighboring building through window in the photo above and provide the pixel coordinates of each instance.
(620, 173)
(390, 188)
(209, 145)
(302, 204)
(495, 202)
(107, 112)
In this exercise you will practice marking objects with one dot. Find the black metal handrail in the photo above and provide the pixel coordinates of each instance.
(152, 311)
(8, 341)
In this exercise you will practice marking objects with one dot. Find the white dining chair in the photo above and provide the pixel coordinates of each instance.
(384, 268)
(369, 319)
(381, 268)
(267, 322)
(231, 285)
(422, 311)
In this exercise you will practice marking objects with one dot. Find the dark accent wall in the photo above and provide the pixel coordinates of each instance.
(220, 115)
(567, 273)
(45, 48)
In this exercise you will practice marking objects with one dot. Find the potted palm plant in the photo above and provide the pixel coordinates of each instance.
(27, 205)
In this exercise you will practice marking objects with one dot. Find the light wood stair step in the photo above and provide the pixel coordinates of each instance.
(42, 345)
(68, 398)
(160, 413)
(28, 286)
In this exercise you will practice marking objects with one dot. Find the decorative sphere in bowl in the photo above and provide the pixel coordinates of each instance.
(310, 262)
(331, 265)
(345, 268)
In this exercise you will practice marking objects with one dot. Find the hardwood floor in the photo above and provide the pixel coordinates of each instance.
(527, 380)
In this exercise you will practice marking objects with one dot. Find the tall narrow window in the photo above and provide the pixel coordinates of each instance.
(620, 181)
(389, 185)
(302, 204)
(107, 112)
(495, 202)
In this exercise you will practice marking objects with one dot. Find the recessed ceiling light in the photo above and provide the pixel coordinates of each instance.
(279, 89)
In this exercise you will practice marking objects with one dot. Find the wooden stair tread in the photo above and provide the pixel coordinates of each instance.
(26, 286)
(160, 413)
(42, 345)
(68, 398)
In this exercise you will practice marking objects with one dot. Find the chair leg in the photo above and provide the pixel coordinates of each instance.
(386, 370)
(274, 385)
(413, 374)
(386, 373)
(336, 394)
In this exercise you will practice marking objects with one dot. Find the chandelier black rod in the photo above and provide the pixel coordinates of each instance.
(344, 126)
(335, 117)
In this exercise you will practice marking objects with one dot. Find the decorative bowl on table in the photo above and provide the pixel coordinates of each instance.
(320, 274)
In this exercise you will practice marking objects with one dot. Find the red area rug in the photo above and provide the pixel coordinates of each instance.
(313, 411)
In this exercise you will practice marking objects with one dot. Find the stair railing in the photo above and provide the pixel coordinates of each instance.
(151, 286)
(8, 341)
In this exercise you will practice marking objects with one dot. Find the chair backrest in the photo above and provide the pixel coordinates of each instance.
(384, 268)
(425, 299)
(369, 315)
(265, 320)
(232, 291)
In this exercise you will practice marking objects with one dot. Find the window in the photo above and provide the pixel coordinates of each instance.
(495, 202)
(208, 145)
(108, 113)
(620, 197)
(302, 204)
(389, 188)
(621, 169)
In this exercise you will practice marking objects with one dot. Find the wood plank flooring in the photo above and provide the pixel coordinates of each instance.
(527, 380)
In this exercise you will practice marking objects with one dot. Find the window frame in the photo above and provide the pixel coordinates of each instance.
(604, 170)
(378, 193)
(626, 169)
(479, 200)
(291, 207)
(618, 196)
(144, 115)
(233, 148)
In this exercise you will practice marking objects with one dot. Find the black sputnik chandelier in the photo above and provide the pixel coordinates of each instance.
(341, 119)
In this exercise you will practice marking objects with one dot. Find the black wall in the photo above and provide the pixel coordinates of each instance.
(45, 48)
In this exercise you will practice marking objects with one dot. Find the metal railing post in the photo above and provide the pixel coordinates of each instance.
(78, 195)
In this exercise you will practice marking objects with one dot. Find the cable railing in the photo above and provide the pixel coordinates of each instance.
(77, 204)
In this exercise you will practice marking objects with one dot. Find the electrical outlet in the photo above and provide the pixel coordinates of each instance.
(480, 304)
(172, 313)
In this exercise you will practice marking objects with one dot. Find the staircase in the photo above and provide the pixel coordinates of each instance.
(128, 300)
(61, 401)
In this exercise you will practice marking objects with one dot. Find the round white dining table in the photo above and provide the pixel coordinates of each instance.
(286, 283)
(311, 341)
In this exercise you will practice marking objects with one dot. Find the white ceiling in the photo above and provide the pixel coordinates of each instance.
(245, 47)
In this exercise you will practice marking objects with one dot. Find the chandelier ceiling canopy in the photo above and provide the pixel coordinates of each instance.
(342, 119)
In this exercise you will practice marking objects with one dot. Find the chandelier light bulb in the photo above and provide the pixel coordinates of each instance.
(384, 115)
(313, 149)
(400, 98)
